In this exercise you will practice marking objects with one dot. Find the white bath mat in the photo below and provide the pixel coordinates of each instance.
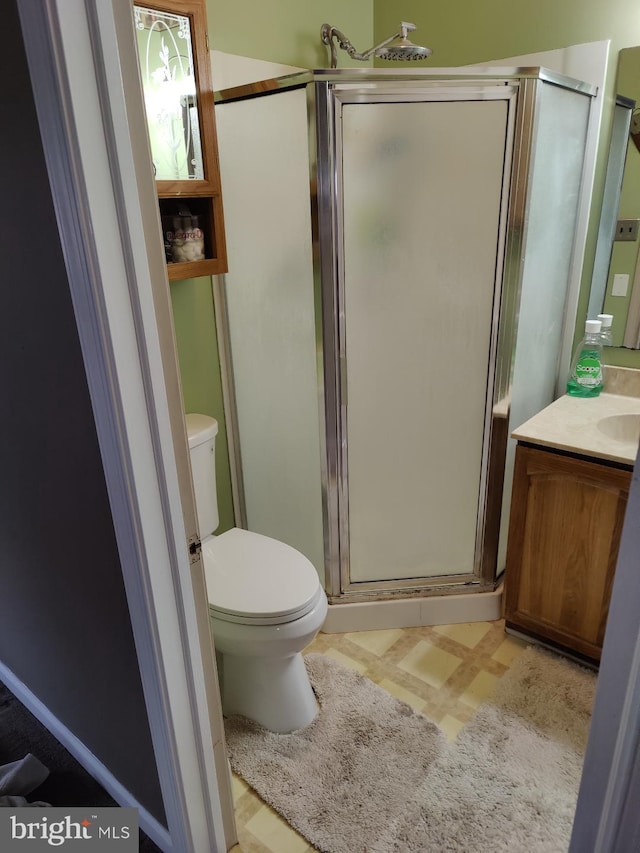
(371, 775)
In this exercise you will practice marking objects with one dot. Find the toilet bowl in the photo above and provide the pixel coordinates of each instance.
(266, 605)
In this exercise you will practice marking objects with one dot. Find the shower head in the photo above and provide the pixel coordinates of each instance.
(396, 47)
(401, 48)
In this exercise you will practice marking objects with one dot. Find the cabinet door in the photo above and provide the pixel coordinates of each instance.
(564, 535)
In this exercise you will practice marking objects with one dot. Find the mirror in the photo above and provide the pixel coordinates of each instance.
(615, 285)
(165, 52)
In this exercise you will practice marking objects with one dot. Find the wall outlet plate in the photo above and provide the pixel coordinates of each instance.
(620, 284)
(627, 229)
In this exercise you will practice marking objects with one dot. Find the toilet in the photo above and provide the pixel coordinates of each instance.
(266, 604)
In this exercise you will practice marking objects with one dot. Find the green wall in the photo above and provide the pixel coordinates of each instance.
(288, 31)
(467, 31)
(194, 320)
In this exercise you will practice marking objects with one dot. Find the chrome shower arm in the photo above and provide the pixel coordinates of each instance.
(329, 33)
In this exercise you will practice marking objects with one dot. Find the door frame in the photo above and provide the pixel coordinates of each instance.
(94, 138)
(83, 66)
(444, 85)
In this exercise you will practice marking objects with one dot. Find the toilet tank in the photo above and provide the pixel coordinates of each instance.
(201, 432)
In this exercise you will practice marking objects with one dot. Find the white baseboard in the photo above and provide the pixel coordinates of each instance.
(148, 824)
(414, 612)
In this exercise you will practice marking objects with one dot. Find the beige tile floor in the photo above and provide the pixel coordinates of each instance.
(444, 672)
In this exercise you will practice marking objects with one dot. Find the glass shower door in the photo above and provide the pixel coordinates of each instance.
(421, 216)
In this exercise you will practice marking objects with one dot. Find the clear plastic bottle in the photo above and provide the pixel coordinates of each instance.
(585, 378)
(606, 332)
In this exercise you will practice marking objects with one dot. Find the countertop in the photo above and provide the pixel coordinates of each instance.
(577, 424)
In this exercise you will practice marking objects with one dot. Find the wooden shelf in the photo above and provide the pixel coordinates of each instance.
(202, 198)
(205, 213)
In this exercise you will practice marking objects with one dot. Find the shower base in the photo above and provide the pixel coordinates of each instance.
(414, 612)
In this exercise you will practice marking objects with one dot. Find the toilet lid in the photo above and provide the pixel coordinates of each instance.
(250, 576)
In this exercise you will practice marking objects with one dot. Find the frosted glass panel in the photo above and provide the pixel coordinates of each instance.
(165, 55)
(554, 190)
(422, 189)
(270, 294)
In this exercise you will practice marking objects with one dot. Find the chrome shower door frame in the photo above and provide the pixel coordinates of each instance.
(328, 97)
(516, 281)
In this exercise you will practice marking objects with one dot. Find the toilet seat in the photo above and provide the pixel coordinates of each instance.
(242, 619)
(255, 580)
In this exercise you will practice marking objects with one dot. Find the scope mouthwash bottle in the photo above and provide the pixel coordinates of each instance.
(585, 378)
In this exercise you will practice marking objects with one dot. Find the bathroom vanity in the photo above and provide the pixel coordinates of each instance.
(571, 481)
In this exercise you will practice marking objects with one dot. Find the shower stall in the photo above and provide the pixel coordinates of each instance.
(399, 245)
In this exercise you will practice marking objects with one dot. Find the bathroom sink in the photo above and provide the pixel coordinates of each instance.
(624, 427)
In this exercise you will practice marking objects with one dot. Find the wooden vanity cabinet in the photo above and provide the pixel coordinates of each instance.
(564, 535)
